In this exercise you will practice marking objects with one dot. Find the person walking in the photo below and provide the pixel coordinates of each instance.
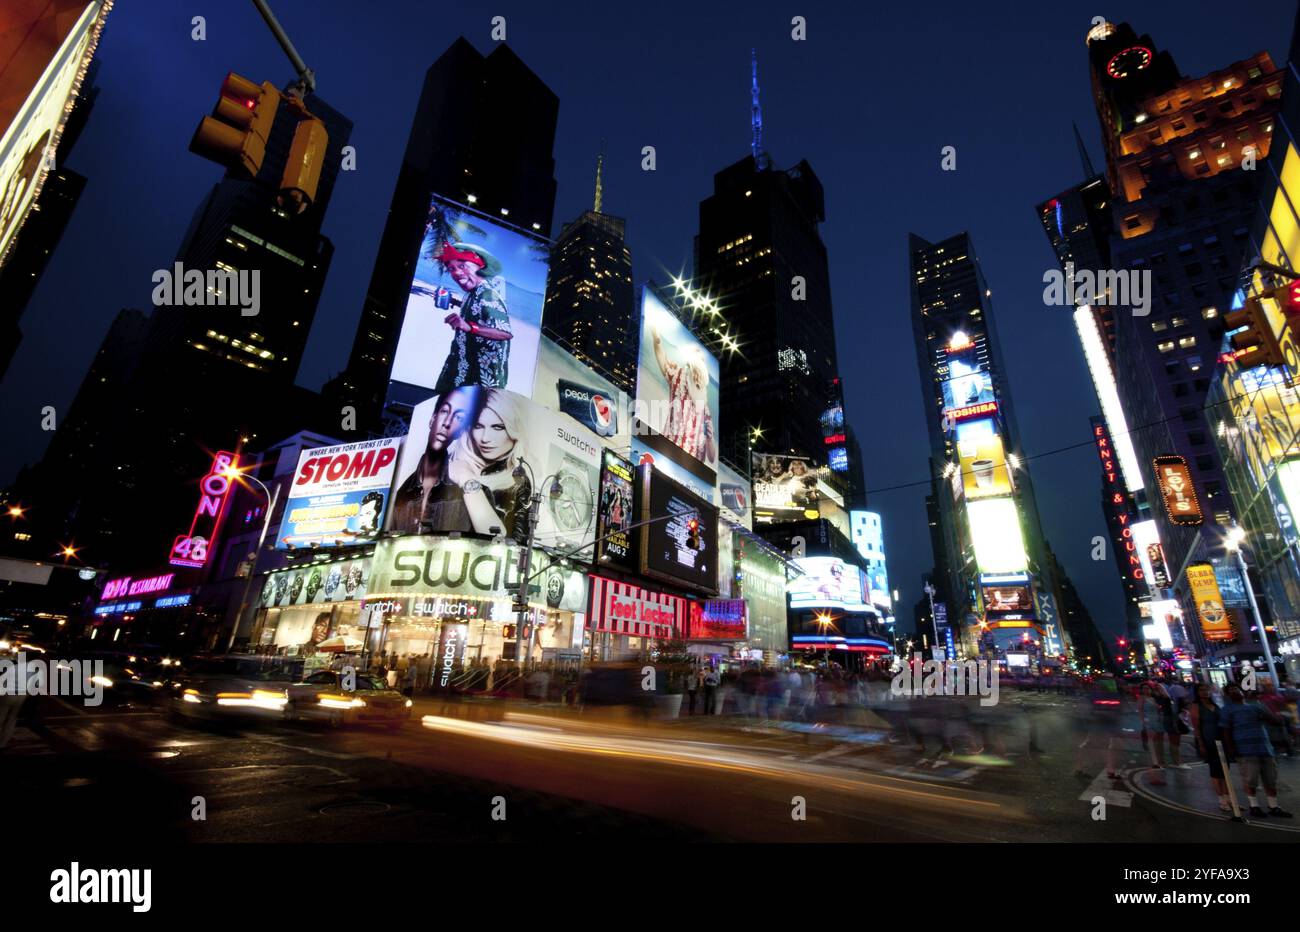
(1207, 730)
(1244, 724)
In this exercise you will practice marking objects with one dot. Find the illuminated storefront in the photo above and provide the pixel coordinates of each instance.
(301, 608)
(429, 592)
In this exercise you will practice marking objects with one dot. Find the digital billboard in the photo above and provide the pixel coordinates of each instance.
(995, 533)
(1008, 599)
(644, 455)
(339, 495)
(565, 384)
(474, 312)
(474, 458)
(676, 412)
(827, 582)
(735, 496)
(666, 552)
(717, 620)
(785, 488)
(614, 512)
(984, 469)
(967, 384)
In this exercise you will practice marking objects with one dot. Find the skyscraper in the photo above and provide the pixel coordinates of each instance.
(482, 135)
(999, 589)
(590, 306)
(1181, 209)
(759, 255)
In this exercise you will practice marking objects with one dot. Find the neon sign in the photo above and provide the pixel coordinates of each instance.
(194, 548)
(116, 588)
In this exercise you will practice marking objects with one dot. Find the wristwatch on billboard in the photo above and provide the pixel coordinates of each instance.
(573, 509)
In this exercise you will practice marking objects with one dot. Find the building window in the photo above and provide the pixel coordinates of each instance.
(1166, 347)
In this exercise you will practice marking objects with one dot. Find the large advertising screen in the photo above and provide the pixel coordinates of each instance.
(339, 495)
(317, 584)
(827, 582)
(1008, 599)
(666, 551)
(995, 533)
(760, 580)
(676, 392)
(475, 309)
(474, 458)
(984, 468)
(785, 488)
(967, 383)
(614, 514)
(565, 384)
(644, 455)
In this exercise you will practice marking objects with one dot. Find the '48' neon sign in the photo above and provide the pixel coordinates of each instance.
(194, 548)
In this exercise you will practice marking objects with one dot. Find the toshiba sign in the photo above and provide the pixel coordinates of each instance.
(621, 608)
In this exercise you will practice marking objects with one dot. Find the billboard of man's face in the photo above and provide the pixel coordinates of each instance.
(450, 416)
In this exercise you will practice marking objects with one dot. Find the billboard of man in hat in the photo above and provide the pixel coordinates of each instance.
(480, 347)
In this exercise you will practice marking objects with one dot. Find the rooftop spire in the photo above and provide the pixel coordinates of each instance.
(600, 161)
(1083, 153)
(756, 113)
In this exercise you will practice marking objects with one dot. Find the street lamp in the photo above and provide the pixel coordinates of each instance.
(1236, 536)
(934, 621)
(556, 491)
(271, 498)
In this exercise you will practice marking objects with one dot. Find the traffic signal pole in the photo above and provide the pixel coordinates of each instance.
(306, 82)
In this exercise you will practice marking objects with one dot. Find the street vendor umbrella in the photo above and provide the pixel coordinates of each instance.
(340, 643)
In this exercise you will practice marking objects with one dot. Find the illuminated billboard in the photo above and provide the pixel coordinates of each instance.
(47, 48)
(614, 513)
(1103, 380)
(1179, 493)
(676, 411)
(967, 384)
(995, 534)
(666, 552)
(1008, 599)
(1146, 542)
(473, 460)
(983, 460)
(785, 488)
(339, 495)
(644, 455)
(735, 496)
(828, 582)
(474, 312)
(565, 384)
(1215, 624)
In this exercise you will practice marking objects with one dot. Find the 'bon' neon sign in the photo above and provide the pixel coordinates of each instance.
(195, 548)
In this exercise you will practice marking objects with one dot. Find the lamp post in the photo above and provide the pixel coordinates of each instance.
(934, 620)
(271, 499)
(1235, 538)
(556, 491)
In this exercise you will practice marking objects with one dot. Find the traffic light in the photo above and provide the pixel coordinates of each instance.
(693, 533)
(1255, 345)
(240, 124)
(302, 170)
(1288, 296)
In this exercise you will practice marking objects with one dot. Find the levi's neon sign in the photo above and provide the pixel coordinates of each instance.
(194, 548)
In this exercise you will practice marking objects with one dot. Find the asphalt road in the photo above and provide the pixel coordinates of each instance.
(506, 772)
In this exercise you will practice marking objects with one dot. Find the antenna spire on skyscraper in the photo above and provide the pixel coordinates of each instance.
(756, 112)
(600, 161)
(1083, 153)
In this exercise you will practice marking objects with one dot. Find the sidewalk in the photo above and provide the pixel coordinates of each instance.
(1191, 789)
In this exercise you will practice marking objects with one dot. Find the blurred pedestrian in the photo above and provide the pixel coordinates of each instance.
(1244, 724)
(1206, 730)
(693, 676)
(711, 681)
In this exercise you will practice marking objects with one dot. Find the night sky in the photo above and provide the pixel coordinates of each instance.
(869, 99)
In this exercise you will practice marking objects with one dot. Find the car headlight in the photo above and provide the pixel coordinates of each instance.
(409, 703)
(102, 681)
